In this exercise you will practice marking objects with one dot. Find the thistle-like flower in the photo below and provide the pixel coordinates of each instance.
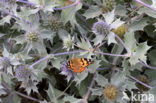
(32, 37)
(110, 92)
(68, 42)
(55, 25)
(67, 72)
(29, 80)
(105, 27)
(22, 72)
(101, 28)
(4, 62)
(108, 5)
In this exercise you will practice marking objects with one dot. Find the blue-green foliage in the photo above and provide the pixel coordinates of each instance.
(39, 37)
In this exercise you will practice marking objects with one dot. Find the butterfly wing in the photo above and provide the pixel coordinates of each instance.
(78, 65)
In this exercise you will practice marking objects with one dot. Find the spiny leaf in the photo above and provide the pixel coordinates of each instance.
(134, 26)
(92, 12)
(130, 41)
(140, 53)
(101, 80)
(69, 14)
(51, 93)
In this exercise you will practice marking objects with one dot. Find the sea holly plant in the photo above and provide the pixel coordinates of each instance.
(77, 51)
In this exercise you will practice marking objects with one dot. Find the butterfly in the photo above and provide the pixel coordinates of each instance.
(78, 65)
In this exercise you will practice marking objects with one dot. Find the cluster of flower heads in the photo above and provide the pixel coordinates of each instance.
(67, 72)
(55, 25)
(32, 37)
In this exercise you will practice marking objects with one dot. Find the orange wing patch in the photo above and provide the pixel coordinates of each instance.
(78, 65)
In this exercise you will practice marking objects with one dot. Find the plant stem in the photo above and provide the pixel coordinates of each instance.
(10, 97)
(124, 45)
(146, 65)
(28, 97)
(72, 52)
(57, 54)
(57, 50)
(109, 54)
(98, 69)
(135, 80)
(89, 89)
(64, 90)
(37, 62)
(146, 5)
(5, 86)
(12, 93)
(117, 55)
(140, 82)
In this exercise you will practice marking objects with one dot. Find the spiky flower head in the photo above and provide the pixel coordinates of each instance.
(101, 28)
(121, 30)
(110, 92)
(143, 79)
(29, 80)
(68, 42)
(55, 25)
(22, 72)
(4, 62)
(32, 36)
(67, 72)
(108, 5)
